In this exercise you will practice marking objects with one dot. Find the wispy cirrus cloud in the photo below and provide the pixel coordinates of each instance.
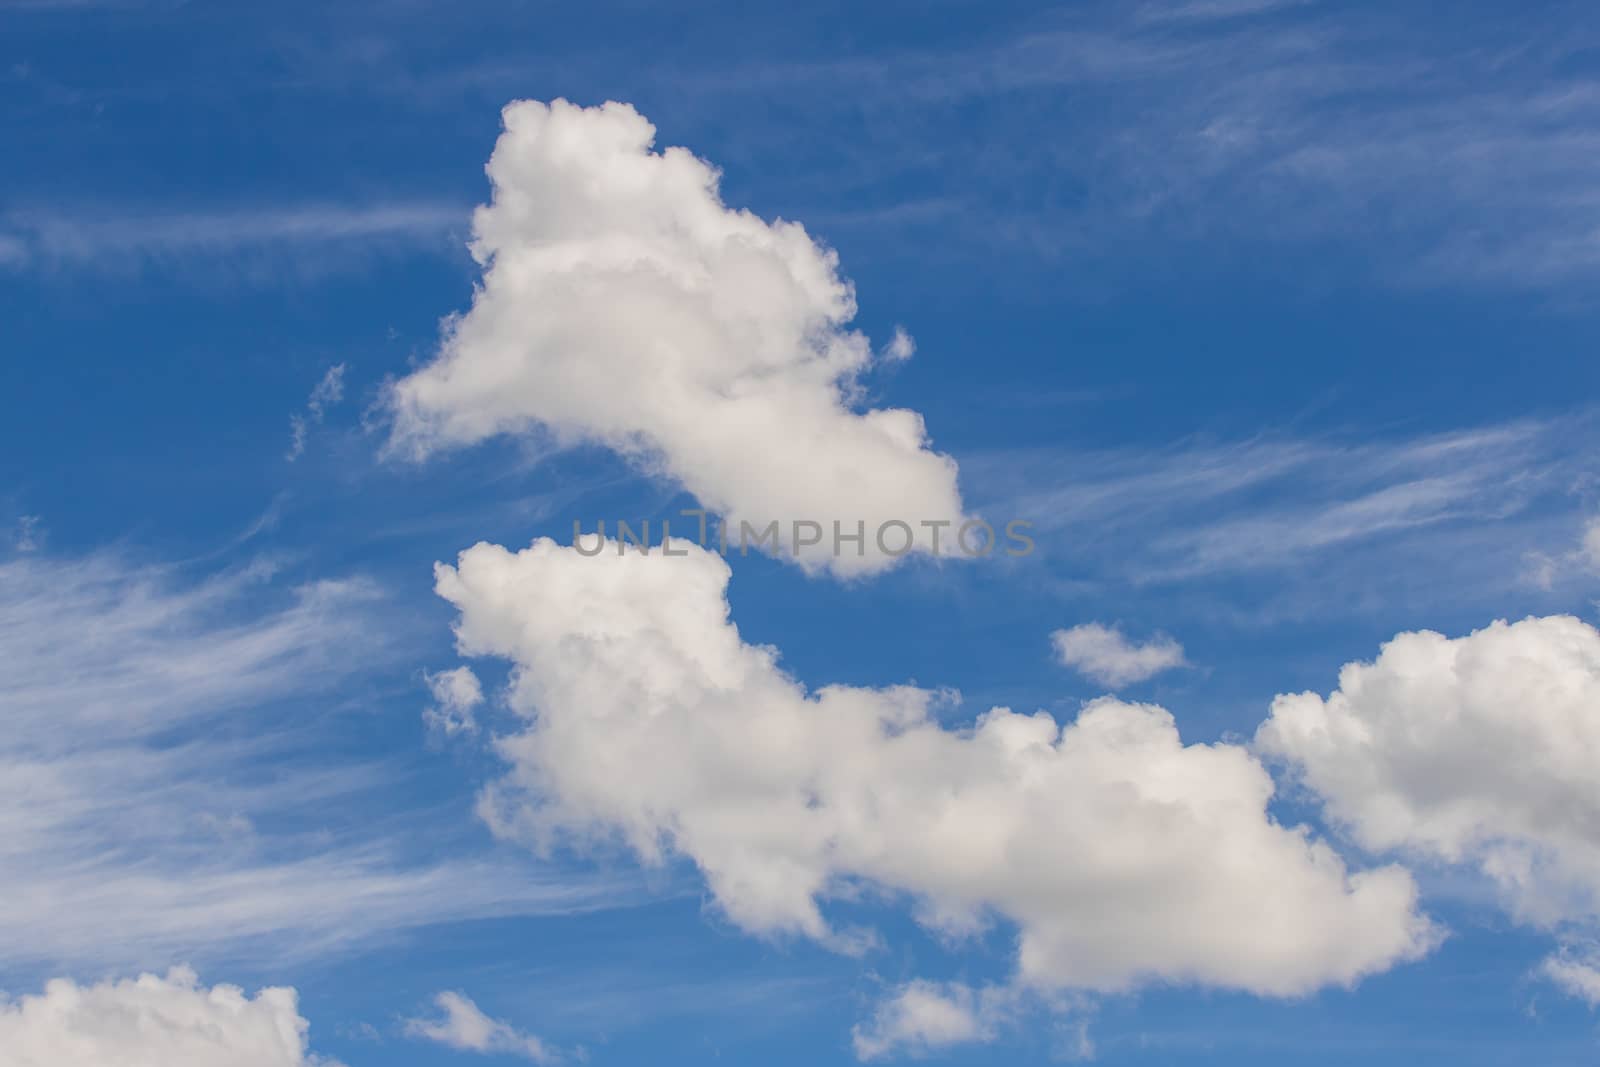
(313, 238)
(1297, 511)
(1430, 154)
(1288, 497)
(1457, 157)
(168, 788)
(328, 391)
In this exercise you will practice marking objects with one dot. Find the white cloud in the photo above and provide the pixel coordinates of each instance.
(1546, 570)
(1576, 972)
(1283, 504)
(455, 694)
(165, 791)
(901, 346)
(154, 1022)
(622, 303)
(328, 392)
(1104, 654)
(30, 534)
(465, 1027)
(922, 1017)
(1481, 750)
(97, 240)
(1123, 855)
(1589, 548)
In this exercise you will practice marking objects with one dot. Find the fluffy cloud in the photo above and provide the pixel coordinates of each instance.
(456, 693)
(1103, 654)
(465, 1027)
(1123, 855)
(1481, 750)
(1576, 972)
(154, 1022)
(922, 1017)
(623, 303)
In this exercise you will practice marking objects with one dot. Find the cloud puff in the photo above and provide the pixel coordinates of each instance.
(465, 1027)
(623, 303)
(154, 1022)
(1123, 855)
(456, 693)
(1104, 655)
(1576, 972)
(1480, 750)
(923, 1017)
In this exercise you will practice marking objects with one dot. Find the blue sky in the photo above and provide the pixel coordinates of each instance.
(1272, 318)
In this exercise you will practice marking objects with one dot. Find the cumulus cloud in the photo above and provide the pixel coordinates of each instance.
(456, 693)
(1102, 653)
(154, 1022)
(1481, 750)
(1123, 855)
(922, 1017)
(1576, 972)
(623, 303)
(465, 1027)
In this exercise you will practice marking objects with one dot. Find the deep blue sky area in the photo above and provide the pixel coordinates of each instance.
(1274, 318)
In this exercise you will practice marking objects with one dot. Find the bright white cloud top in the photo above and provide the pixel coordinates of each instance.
(1123, 855)
(623, 303)
(1482, 750)
(154, 1022)
(1105, 655)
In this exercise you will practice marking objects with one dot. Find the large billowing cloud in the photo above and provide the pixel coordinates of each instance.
(623, 303)
(1122, 855)
(154, 1022)
(1483, 750)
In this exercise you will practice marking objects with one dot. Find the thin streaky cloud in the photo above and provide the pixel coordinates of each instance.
(168, 790)
(114, 241)
(1203, 508)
